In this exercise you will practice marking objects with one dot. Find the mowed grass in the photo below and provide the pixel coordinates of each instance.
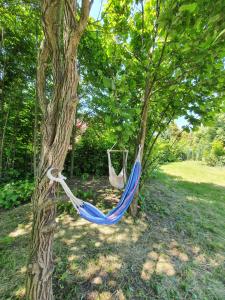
(195, 171)
(175, 250)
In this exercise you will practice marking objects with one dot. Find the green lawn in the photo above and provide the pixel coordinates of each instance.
(175, 250)
(196, 172)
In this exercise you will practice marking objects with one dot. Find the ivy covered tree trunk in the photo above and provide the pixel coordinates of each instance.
(57, 59)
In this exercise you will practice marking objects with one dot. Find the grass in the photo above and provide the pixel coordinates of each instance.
(196, 172)
(175, 250)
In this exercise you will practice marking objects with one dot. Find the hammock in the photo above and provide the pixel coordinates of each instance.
(118, 181)
(93, 214)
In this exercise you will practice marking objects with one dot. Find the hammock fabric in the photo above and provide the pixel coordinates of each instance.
(92, 213)
(117, 181)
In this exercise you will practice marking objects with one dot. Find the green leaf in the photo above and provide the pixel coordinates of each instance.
(189, 7)
(107, 82)
(219, 35)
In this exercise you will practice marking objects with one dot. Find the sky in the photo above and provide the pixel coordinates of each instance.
(95, 12)
(97, 8)
(181, 122)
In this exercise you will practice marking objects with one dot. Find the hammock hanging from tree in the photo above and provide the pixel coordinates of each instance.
(93, 214)
(117, 181)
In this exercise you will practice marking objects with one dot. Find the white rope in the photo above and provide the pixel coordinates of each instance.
(113, 146)
(61, 179)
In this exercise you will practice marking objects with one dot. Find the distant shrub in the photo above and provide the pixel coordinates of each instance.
(217, 148)
(216, 155)
(15, 193)
(90, 156)
(168, 153)
(213, 160)
(11, 174)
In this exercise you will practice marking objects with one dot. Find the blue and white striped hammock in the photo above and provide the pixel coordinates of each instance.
(91, 213)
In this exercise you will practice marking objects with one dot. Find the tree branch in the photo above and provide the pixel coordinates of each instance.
(72, 11)
(85, 9)
(159, 156)
(149, 151)
(43, 57)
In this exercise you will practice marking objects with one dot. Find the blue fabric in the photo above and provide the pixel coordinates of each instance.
(94, 215)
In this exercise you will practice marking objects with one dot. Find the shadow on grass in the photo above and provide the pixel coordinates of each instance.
(174, 251)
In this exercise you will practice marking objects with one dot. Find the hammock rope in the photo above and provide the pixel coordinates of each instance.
(91, 213)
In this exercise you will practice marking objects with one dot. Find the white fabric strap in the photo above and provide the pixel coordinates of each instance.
(109, 158)
(61, 179)
(138, 158)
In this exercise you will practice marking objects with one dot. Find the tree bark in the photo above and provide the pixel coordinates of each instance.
(35, 136)
(58, 53)
(2, 142)
(141, 139)
(150, 82)
(4, 123)
(73, 141)
(36, 110)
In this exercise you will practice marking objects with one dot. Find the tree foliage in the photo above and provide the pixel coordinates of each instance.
(167, 47)
(206, 143)
(20, 28)
(170, 51)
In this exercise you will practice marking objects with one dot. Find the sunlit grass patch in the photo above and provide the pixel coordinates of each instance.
(196, 172)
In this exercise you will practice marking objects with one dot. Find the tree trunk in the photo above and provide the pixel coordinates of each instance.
(35, 139)
(4, 124)
(62, 34)
(10, 162)
(2, 142)
(141, 140)
(150, 81)
(73, 141)
(36, 111)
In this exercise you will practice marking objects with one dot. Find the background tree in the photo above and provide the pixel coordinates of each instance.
(118, 54)
(19, 27)
(206, 143)
(164, 59)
